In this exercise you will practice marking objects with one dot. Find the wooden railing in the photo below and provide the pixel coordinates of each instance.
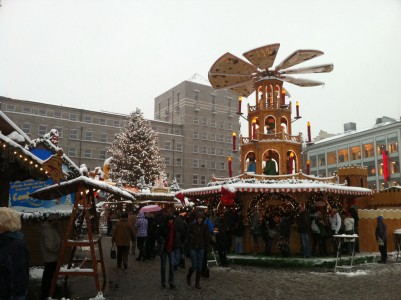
(272, 136)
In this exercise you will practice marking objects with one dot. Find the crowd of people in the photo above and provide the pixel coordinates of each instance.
(175, 236)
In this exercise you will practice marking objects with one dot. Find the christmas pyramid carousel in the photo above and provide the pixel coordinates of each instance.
(271, 178)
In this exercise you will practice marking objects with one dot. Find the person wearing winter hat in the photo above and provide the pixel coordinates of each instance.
(199, 241)
(14, 256)
(381, 237)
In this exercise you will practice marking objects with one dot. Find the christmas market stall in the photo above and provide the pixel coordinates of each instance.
(281, 196)
(83, 214)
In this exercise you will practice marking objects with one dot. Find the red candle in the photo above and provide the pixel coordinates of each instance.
(309, 134)
(234, 140)
(230, 169)
(297, 108)
(308, 167)
(254, 129)
(239, 105)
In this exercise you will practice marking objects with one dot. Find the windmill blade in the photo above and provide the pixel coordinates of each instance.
(298, 57)
(314, 69)
(231, 64)
(263, 57)
(245, 89)
(220, 81)
(301, 81)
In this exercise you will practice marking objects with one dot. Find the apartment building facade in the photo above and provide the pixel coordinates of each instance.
(376, 148)
(85, 135)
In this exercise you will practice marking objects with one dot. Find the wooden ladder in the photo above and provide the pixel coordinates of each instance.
(72, 240)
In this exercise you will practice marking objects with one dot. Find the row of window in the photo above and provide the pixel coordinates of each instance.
(196, 179)
(366, 150)
(211, 150)
(211, 123)
(64, 115)
(87, 153)
(205, 136)
(73, 133)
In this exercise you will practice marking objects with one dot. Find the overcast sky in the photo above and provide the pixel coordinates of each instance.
(116, 55)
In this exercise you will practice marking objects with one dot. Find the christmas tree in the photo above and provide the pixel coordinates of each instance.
(135, 153)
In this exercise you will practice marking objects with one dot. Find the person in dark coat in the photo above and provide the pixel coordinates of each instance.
(141, 230)
(199, 241)
(238, 232)
(167, 236)
(220, 233)
(14, 257)
(381, 237)
(50, 247)
(303, 224)
(123, 234)
(180, 232)
(268, 232)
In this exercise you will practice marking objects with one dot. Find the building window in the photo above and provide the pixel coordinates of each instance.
(73, 117)
(178, 147)
(322, 160)
(88, 135)
(42, 112)
(102, 121)
(222, 166)
(166, 130)
(203, 180)
(313, 161)
(212, 137)
(26, 127)
(229, 139)
(73, 134)
(167, 160)
(10, 107)
(380, 145)
(58, 114)
(343, 154)
(204, 136)
(222, 152)
(116, 123)
(204, 122)
(72, 152)
(178, 162)
(213, 123)
(202, 163)
(103, 138)
(102, 154)
(196, 135)
(195, 163)
(26, 110)
(42, 130)
(213, 151)
(87, 153)
(392, 143)
(204, 150)
(87, 119)
(195, 179)
(355, 152)
(213, 165)
(229, 152)
(368, 149)
(221, 138)
(213, 103)
(331, 156)
(195, 149)
(167, 145)
(221, 125)
(177, 131)
(196, 120)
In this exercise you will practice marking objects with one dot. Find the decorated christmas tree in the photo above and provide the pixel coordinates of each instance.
(135, 153)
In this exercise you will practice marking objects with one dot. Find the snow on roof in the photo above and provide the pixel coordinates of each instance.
(196, 78)
(282, 186)
(71, 186)
(19, 148)
(10, 124)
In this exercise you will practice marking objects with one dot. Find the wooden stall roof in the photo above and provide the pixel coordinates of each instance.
(290, 186)
(71, 186)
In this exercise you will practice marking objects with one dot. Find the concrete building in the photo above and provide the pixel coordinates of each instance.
(376, 147)
(194, 123)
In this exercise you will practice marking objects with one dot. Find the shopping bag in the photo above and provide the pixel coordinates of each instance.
(113, 253)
